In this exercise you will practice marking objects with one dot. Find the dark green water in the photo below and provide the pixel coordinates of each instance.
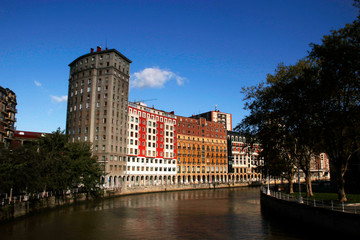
(201, 214)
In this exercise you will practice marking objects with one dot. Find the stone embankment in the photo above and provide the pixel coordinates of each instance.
(24, 208)
(343, 220)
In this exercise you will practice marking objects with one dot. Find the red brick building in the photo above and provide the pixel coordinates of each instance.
(202, 151)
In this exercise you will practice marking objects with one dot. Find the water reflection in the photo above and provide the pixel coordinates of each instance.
(201, 214)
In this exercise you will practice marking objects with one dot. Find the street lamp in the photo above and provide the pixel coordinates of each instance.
(268, 184)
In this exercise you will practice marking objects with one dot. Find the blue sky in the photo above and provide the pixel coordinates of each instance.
(187, 55)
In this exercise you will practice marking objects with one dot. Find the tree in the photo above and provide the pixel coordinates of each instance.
(67, 165)
(19, 170)
(85, 170)
(338, 103)
(281, 116)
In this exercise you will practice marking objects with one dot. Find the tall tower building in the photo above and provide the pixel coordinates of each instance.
(98, 106)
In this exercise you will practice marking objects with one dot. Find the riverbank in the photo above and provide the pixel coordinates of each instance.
(25, 208)
(336, 220)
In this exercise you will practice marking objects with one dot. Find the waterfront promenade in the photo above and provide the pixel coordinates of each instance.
(326, 215)
(21, 206)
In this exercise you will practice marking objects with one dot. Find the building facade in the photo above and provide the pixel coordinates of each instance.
(8, 111)
(319, 166)
(217, 116)
(243, 159)
(97, 107)
(202, 151)
(151, 146)
(26, 138)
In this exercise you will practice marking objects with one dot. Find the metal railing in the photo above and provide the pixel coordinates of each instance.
(6, 200)
(341, 207)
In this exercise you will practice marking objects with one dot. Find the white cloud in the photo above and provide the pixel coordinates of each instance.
(59, 99)
(154, 78)
(38, 84)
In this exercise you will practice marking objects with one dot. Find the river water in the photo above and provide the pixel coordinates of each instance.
(201, 214)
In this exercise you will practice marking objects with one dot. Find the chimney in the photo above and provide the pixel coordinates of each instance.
(98, 49)
(91, 50)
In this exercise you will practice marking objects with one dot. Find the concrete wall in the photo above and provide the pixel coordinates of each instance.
(20, 209)
(340, 222)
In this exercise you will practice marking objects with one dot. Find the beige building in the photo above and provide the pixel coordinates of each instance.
(244, 159)
(98, 106)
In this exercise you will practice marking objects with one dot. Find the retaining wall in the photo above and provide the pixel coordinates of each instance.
(20, 209)
(335, 221)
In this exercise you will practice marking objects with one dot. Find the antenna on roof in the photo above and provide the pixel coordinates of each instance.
(215, 107)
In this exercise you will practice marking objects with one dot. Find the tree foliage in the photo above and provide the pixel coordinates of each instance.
(53, 164)
(338, 64)
(310, 107)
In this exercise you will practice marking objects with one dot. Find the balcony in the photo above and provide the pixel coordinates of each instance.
(10, 119)
(10, 108)
(10, 128)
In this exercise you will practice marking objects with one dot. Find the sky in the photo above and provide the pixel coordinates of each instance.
(187, 56)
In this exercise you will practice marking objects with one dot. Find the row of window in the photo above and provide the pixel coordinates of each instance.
(150, 153)
(193, 161)
(151, 169)
(197, 169)
(149, 116)
(134, 143)
(141, 168)
(198, 127)
(203, 140)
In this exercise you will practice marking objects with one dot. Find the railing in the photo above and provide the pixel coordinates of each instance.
(342, 207)
(6, 200)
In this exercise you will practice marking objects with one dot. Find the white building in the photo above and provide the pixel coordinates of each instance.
(151, 146)
(244, 159)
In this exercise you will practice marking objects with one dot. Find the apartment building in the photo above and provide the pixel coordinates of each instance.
(217, 116)
(151, 146)
(7, 115)
(243, 158)
(202, 151)
(97, 107)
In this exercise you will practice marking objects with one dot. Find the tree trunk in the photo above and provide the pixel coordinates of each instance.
(291, 179)
(307, 172)
(341, 186)
(309, 192)
(291, 186)
(43, 194)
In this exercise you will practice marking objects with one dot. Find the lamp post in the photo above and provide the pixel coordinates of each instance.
(268, 183)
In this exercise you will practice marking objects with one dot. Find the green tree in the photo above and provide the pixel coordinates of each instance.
(19, 170)
(85, 170)
(338, 103)
(281, 118)
(67, 165)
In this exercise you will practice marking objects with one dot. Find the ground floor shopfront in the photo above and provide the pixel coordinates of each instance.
(153, 180)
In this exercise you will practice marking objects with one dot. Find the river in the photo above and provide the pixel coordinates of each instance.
(201, 214)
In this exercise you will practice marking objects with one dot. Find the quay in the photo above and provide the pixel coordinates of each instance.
(337, 218)
(23, 207)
